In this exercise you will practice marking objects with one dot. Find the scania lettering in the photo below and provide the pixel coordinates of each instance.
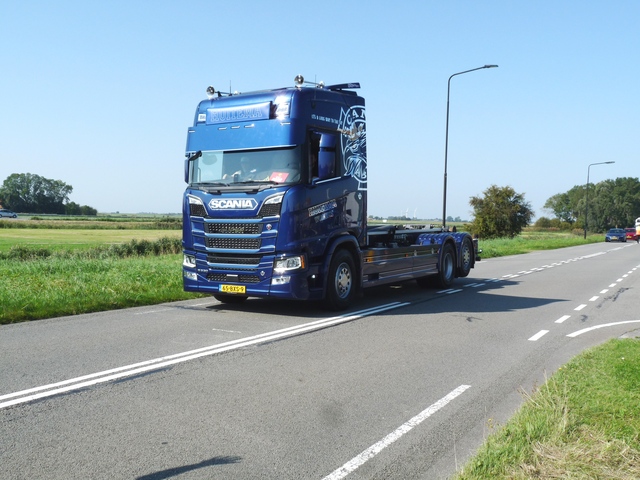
(248, 203)
(276, 203)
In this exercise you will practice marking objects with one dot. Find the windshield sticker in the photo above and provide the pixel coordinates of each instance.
(279, 177)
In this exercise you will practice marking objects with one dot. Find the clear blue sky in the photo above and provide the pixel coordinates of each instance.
(100, 94)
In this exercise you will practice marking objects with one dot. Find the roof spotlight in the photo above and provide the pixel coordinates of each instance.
(210, 92)
(299, 80)
(320, 84)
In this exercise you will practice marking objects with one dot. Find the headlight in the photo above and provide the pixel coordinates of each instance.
(289, 263)
(274, 200)
(189, 261)
(193, 200)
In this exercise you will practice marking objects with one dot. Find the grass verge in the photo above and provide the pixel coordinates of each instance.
(40, 283)
(530, 241)
(584, 422)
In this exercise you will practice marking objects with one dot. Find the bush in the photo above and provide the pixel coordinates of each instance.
(134, 248)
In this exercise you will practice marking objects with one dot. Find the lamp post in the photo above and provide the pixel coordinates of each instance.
(586, 203)
(446, 142)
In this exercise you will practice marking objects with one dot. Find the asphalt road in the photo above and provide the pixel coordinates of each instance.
(405, 385)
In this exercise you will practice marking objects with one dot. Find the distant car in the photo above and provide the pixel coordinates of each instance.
(616, 235)
(7, 213)
(631, 234)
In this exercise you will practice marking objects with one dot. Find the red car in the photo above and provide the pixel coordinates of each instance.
(631, 234)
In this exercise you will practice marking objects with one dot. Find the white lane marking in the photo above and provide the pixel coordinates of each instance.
(450, 291)
(612, 285)
(376, 448)
(158, 363)
(579, 307)
(225, 331)
(147, 312)
(602, 292)
(563, 318)
(593, 299)
(538, 335)
(585, 330)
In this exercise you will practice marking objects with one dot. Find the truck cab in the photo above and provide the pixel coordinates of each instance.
(273, 178)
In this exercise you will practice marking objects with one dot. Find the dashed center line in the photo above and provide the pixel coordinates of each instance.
(538, 335)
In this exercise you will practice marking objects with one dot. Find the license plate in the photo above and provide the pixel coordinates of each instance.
(233, 289)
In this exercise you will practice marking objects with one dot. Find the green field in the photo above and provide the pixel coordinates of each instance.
(75, 238)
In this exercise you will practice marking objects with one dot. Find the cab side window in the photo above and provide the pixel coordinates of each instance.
(325, 158)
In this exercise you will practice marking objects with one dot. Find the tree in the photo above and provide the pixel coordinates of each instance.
(612, 203)
(72, 208)
(26, 192)
(502, 212)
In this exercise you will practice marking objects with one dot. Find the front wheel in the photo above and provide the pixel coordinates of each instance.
(341, 285)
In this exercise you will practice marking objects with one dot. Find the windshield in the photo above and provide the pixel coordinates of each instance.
(281, 165)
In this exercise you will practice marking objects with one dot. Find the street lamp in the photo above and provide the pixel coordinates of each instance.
(586, 203)
(446, 141)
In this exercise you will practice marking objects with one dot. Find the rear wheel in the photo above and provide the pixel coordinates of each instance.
(341, 285)
(446, 275)
(229, 298)
(466, 257)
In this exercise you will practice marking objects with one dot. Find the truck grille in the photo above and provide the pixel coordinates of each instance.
(243, 278)
(232, 259)
(270, 210)
(234, 243)
(197, 210)
(235, 228)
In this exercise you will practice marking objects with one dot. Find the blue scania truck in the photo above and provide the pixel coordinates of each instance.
(276, 203)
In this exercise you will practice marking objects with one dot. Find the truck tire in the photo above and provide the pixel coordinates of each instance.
(341, 285)
(229, 298)
(466, 257)
(447, 268)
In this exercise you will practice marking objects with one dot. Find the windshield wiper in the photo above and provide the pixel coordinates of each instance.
(260, 182)
(213, 184)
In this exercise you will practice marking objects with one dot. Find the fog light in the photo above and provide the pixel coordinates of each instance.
(280, 280)
(190, 275)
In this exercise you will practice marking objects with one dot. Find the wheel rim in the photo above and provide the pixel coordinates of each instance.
(343, 280)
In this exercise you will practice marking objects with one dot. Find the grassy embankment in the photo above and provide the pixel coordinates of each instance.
(50, 268)
(583, 423)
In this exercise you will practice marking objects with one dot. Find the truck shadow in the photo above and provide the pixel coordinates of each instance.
(468, 294)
